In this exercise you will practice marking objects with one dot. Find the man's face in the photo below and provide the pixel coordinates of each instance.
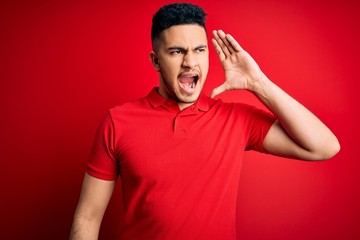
(183, 63)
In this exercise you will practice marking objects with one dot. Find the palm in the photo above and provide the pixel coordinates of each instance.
(240, 68)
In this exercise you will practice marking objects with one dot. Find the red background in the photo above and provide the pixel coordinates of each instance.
(64, 63)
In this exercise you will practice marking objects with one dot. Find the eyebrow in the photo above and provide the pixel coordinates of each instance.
(201, 46)
(183, 49)
(176, 48)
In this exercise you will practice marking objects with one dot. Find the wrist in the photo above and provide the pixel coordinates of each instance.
(259, 85)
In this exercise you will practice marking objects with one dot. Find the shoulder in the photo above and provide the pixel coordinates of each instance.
(133, 105)
(233, 106)
(240, 111)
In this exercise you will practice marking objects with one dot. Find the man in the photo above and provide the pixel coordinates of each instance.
(179, 152)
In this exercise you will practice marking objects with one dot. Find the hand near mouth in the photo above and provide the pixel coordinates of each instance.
(241, 70)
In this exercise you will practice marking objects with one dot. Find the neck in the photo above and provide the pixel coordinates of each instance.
(182, 106)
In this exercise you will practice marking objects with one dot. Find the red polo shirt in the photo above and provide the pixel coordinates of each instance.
(179, 169)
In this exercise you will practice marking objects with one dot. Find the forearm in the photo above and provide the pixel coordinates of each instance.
(306, 130)
(300, 133)
(83, 229)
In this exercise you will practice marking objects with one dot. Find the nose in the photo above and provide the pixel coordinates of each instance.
(190, 60)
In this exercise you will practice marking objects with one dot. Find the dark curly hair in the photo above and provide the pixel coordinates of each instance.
(176, 14)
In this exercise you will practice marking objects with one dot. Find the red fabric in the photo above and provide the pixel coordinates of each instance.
(180, 169)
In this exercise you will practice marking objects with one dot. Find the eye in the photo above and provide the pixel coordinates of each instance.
(200, 50)
(177, 52)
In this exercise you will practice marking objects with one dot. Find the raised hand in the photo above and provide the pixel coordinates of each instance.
(241, 71)
(297, 133)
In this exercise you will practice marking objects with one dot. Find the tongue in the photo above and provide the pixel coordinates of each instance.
(187, 84)
(186, 80)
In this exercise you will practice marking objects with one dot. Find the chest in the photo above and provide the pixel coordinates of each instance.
(177, 145)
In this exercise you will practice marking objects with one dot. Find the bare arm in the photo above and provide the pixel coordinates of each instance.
(298, 133)
(94, 198)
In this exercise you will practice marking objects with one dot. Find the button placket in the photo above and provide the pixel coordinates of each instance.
(179, 125)
(181, 121)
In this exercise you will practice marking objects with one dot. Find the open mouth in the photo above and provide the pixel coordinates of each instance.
(188, 82)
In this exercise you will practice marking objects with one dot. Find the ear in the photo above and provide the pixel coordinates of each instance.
(155, 61)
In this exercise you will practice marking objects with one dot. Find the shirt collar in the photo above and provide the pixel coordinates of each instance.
(156, 100)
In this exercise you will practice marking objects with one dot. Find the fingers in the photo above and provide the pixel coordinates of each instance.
(220, 89)
(225, 45)
(221, 42)
(234, 44)
(218, 49)
(229, 52)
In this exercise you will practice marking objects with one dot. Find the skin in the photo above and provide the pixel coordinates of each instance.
(94, 198)
(297, 133)
(182, 52)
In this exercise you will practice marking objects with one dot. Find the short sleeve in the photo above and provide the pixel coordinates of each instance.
(260, 123)
(102, 162)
